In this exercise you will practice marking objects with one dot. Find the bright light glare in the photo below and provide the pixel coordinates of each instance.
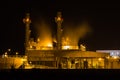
(115, 57)
(5, 55)
(84, 59)
(66, 47)
(27, 20)
(58, 19)
(100, 59)
(49, 45)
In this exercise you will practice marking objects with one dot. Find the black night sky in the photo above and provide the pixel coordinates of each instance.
(104, 20)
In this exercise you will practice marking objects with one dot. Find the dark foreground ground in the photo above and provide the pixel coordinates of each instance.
(60, 74)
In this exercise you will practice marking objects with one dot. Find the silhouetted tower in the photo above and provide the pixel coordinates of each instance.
(59, 21)
(27, 22)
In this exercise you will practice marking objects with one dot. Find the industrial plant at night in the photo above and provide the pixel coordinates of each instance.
(59, 52)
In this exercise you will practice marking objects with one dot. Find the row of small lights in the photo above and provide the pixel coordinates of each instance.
(6, 55)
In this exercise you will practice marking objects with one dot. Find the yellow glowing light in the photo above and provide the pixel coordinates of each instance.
(100, 59)
(82, 46)
(108, 57)
(38, 39)
(54, 40)
(84, 59)
(5, 53)
(24, 59)
(49, 45)
(9, 49)
(27, 20)
(16, 53)
(30, 46)
(114, 57)
(66, 47)
(30, 62)
(58, 19)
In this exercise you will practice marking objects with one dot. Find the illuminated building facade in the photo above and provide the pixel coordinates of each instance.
(114, 59)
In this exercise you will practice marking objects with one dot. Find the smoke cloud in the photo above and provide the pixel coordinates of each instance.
(72, 33)
(43, 33)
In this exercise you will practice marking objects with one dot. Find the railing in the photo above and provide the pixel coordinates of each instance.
(20, 56)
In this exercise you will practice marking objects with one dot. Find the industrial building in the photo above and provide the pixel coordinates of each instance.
(44, 55)
(64, 55)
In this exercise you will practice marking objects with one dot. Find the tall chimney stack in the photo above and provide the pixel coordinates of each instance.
(59, 20)
(27, 22)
